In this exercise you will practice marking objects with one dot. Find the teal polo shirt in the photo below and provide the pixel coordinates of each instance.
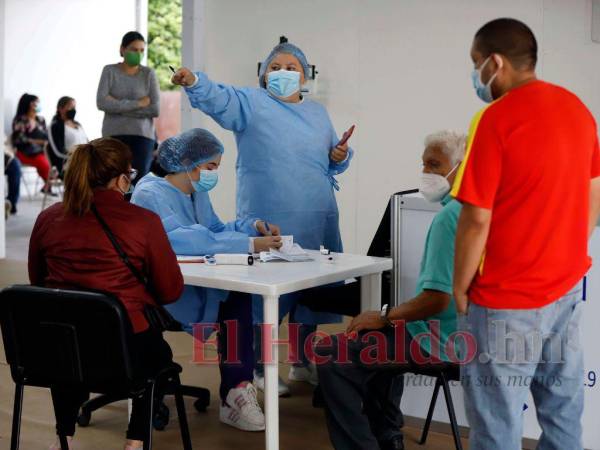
(437, 268)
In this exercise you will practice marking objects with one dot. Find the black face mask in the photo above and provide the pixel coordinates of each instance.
(71, 114)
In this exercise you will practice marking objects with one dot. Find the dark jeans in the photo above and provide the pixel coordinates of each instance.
(362, 400)
(150, 353)
(237, 357)
(141, 149)
(13, 173)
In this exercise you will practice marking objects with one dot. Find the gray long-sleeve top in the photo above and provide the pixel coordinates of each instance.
(118, 96)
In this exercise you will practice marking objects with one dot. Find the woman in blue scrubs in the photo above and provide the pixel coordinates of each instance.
(288, 155)
(182, 202)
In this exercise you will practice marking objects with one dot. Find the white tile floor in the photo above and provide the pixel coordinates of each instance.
(19, 226)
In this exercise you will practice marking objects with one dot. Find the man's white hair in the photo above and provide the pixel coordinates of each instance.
(452, 143)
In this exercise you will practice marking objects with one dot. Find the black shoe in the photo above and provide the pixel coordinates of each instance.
(396, 443)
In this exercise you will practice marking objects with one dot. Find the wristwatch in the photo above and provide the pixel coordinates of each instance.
(385, 311)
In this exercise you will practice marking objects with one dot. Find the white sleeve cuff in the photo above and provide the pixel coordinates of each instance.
(195, 81)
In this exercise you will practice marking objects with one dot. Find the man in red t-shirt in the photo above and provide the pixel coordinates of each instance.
(530, 188)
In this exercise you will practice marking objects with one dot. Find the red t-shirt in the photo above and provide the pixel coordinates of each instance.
(67, 251)
(530, 158)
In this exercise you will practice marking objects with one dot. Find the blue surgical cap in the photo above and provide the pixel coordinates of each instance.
(188, 149)
(288, 48)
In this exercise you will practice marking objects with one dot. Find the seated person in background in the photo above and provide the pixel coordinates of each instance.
(65, 132)
(182, 202)
(362, 400)
(12, 170)
(30, 136)
(69, 248)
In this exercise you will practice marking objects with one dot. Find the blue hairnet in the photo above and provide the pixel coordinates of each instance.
(188, 149)
(288, 48)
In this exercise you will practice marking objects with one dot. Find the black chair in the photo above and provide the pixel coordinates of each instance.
(162, 414)
(161, 417)
(444, 373)
(60, 338)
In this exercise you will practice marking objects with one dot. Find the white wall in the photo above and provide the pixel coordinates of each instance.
(58, 47)
(398, 69)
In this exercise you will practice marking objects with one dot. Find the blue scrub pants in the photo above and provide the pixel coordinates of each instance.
(304, 332)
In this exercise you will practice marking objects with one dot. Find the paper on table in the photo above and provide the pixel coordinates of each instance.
(287, 243)
(288, 252)
(294, 254)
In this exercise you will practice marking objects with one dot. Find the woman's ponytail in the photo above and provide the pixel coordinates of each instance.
(92, 166)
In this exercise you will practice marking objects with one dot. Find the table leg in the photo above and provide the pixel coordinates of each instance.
(271, 317)
(370, 292)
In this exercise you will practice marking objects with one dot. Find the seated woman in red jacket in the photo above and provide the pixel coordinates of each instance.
(69, 248)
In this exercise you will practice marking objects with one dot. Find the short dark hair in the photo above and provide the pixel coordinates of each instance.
(510, 38)
(131, 36)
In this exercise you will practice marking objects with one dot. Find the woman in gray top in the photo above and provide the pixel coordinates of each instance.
(129, 95)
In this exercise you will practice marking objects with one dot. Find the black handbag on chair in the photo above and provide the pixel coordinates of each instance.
(157, 316)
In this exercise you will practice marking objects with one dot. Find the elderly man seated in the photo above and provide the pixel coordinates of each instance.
(362, 388)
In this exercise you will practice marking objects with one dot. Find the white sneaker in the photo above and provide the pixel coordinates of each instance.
(308, 374)
(241, 409)
(282, 387)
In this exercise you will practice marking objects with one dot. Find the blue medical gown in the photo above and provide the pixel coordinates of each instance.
(284, 173)
(193, 228)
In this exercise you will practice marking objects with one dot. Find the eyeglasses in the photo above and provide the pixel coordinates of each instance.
(133, 173)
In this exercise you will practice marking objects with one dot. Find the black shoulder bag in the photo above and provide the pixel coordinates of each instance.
(156, 315)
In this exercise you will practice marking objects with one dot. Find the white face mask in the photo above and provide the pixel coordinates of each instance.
(435, 187)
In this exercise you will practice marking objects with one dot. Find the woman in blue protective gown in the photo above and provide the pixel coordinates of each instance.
(288, 155)
(182, 202)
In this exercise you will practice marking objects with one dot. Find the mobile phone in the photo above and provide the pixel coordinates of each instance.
(347, 135)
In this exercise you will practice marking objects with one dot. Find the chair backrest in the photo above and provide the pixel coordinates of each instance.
(63, 337)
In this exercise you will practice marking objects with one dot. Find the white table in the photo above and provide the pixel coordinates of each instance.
(273, 279)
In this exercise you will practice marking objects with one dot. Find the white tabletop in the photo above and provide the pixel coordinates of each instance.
(278, 278)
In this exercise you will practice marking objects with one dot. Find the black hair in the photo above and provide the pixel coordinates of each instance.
(62, 102)
(510, 38)
(131, 36)
(24, 104)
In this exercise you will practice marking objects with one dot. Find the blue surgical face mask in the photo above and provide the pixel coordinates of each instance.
(484, 91)
(38, 108)
(283, 83)
(208, 180)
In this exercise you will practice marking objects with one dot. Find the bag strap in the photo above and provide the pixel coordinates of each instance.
(136, 273)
